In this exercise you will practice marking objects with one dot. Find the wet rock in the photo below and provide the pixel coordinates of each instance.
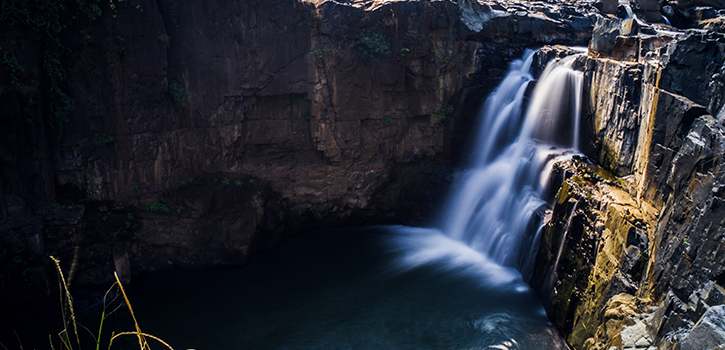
(649, 9)
(546, 54)
(685, 4)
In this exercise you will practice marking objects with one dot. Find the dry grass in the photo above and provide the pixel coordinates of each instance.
(70, 326)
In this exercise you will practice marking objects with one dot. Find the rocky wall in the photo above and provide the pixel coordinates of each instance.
(203, 132)
(632, 257)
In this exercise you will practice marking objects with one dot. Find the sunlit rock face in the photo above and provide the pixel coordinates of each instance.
(632, 257)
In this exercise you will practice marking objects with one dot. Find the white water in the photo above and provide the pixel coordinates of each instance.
(494, 201)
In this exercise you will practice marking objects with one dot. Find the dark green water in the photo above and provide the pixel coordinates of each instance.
(373, 288)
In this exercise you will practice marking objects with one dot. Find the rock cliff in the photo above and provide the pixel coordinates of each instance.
(632, 257)
(203, 132)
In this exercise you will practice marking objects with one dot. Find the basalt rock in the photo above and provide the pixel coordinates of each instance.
(633, 254)
(205, 132)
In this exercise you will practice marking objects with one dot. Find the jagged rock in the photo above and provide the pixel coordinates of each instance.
(709, 332)
(507, 21)
(715, 24)
(647, 119)
(610, 112)
(601, 253)
(546, 54)
(615, 38)
(650, 10)
(693, 67)
(686, 4)
(609, 6)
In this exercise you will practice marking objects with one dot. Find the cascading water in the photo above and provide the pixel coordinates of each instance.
(495, 199)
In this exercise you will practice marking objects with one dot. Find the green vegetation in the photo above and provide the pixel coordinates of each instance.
(403, 51)
(129, 224)
(238, 182)
(441, 114)
(296, 99)
(155, 207)
(388, 120)
(225, 181)
(177, 92)
(372, 45)
(10, 61)
(173, 9)
(43, 22)
(102, 140)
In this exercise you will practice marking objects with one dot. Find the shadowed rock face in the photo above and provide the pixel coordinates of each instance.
(203, 132)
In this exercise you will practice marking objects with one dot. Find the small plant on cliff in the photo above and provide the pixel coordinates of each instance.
(44, 22)
(102, 140)
(155, 207)
(388, 120)
(225, 181)
(177, 92)
(373, 46)
(441, 114)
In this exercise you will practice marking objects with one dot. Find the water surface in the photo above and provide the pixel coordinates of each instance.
(371, 288)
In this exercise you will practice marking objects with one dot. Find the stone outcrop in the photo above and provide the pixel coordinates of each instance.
(633, 252)
(202, 133)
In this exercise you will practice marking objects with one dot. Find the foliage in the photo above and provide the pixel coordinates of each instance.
(441, 114)
(296, 99)
(155, 207)
(372, 45)
(42, 21)
(177, 92)
(10, 61)
(102, 140)
(225, 181)
(388, 120)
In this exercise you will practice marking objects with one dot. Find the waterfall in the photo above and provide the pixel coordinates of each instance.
(495, 199)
